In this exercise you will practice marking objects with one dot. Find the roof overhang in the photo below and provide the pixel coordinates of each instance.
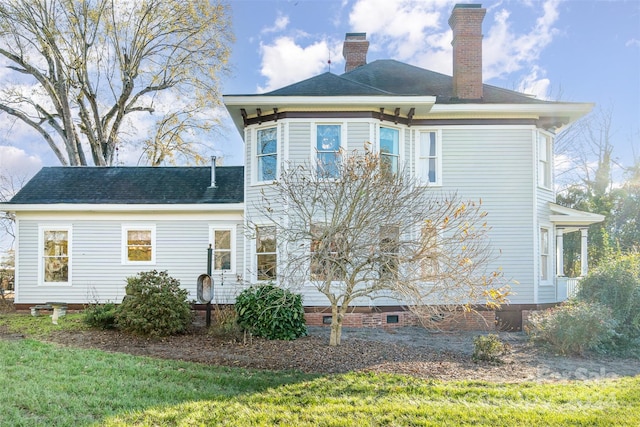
(257, 105)
(552, 115)
(571, 219)
(105, 207)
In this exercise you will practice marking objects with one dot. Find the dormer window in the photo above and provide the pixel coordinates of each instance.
(267, 154)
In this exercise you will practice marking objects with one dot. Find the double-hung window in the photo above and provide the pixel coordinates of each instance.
(267, 154)
(223, 247)
(328, 142)
(55, 255)
(266, 253)
(429, 247)
(389, 249)
(428, 158)
(326, 253)
(139, 244)
(389, 150)
(544, 254)
(544, 160)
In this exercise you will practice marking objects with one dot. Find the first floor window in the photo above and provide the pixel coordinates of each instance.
(266, 253)
(428, 158)
(389, 247)
(544, 254)
(55, 255)
(222, 249)
(429, 243)
(328, 150)
(325, 253)
(139, 244)
(267, 154)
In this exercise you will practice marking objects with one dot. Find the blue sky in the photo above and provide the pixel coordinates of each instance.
(579, 50)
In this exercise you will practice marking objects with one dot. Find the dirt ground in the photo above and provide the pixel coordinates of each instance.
(411, 351)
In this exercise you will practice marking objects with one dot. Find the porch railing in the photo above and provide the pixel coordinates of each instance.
(567, 287)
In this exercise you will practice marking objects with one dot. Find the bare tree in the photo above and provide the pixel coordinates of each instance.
(372, 233)
(10, 184)
(82, 69)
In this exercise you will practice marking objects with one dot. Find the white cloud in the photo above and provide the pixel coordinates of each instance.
(632, 43)
(280, 24)
(285, 61)
(535, 83)
(505, 51)
(17, 163)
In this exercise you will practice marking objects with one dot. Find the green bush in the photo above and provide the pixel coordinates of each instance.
(154, 305)
(615, 283)
(101, 316)
(271, 312)
(488, 348)
(573, 327)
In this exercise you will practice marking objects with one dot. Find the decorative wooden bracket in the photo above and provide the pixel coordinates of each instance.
(397, 115)
(412, 111)
(243, 112)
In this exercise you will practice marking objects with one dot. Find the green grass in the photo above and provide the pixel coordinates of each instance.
(43, 384)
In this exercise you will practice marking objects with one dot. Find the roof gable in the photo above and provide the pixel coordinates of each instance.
(133, 185)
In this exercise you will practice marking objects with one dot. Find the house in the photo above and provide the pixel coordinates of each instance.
(81, 231)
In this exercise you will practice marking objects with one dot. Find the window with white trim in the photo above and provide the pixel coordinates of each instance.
(325, 253)
(428, 158)
(328, 143)
(389, 149)
(139, 244)
(266, 253)
(266, 154)
(55, 253)
(544, 254)
(223, 247)
(544, 160)
(389, 250)
(429, 243)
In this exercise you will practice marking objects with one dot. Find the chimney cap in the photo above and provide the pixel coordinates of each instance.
(467, 6)
(356, 36)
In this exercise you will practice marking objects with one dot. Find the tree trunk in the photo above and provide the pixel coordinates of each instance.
(336, 327)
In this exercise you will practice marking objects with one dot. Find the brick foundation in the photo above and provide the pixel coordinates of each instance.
(456, 321)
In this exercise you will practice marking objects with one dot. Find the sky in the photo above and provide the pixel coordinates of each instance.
(572, 50)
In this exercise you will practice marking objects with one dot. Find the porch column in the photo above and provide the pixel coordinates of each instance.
(584, 264)
(560, 252)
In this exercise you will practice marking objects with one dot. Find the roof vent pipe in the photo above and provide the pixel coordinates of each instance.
(213, 171)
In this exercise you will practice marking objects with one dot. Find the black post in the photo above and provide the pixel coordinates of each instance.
(209, 259)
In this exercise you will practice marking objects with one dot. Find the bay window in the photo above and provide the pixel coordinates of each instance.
(267, 154)
(328, 143)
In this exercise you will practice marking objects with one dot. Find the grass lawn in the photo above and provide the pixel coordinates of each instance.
(43, 384)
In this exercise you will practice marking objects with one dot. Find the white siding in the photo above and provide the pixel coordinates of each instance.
(494, 164)
(97, 272)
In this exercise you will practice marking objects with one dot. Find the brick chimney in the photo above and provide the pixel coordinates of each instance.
(354, 50)
(466, 23)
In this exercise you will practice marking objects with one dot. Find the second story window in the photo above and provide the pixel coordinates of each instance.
(328, 149)
(544, 161)
(267, 154)
(428, 158)
(389, 150)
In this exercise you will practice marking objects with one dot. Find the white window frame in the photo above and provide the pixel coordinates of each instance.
(256, 157)
(545, 256)
(125, 240)
(545, 159)
(41, 230)
(437, 157)
(399, 155)
(256, 253)
(314, 144)
(232, 250)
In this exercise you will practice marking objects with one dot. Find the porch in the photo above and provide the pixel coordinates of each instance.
(567, 220)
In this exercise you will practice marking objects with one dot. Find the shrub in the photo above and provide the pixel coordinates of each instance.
(616, 284)
(154, 305)
(488, 348)
(271, 312)
(224, 322)
(101, 316)
(573, 327)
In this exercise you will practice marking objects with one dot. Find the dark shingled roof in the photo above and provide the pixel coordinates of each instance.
(388, 77)
(133, 185)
